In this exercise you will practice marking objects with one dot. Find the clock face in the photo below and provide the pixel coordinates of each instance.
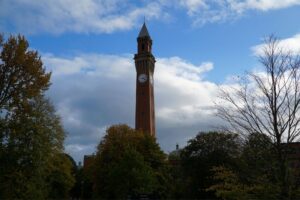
(142, 78)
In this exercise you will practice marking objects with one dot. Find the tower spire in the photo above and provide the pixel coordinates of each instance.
(144, 31)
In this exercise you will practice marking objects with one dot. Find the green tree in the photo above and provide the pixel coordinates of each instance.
(254, 178)
(34, 141)
(202, 153)
(31, 134)
(61, 177)
(129, 164)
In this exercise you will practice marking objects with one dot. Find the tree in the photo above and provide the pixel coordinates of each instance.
(268, 103)
(31, 134)
(61, 177)
(205, 151)
(258, 159)
(228, 185)
(129, 164)
(33, 144)
(22, 75)
(254, 177)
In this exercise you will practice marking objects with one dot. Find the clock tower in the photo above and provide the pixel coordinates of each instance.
(144, 64)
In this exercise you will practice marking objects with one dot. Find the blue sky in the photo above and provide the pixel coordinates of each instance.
(199, 45)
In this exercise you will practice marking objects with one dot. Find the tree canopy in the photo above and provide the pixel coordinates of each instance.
(129, 164)
(202, 153)
(31, 134)
(22, 74)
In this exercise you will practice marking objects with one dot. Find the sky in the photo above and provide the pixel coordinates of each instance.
(199, 46)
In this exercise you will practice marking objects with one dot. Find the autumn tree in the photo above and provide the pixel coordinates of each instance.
(268, 103)
(31, 134)
(22, 75)
(129, 164)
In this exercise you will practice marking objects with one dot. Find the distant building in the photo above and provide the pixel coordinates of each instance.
(88, 160)
(294, 155)
(174, 156)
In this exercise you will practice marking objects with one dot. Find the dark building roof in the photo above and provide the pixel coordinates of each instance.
(144, 32)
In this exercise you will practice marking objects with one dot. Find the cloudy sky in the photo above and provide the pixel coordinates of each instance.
(199, 45)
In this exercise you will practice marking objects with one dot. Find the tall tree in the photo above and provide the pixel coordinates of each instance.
(31, 134)
(268, 103)
(33, 144)
(129, 164)
(22, 75)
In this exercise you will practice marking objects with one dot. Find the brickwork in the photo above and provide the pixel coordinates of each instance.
(144, 63)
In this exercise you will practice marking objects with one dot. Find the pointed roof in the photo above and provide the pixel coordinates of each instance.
(144, 31)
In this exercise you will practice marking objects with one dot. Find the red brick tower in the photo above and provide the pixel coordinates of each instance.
(144, 64)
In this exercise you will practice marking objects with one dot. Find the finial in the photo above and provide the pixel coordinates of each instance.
(144, 19)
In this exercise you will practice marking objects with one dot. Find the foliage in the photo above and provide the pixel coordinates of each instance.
(258, 158)
(202, 153)
(31, 152)
(22, 75)
(228, 185)
(254, 178)
(129, 164)
(61, 177)
(31, 135)
(268, 103)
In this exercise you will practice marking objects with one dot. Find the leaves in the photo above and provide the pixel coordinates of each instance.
(128, 164)
(31, 137)
(203, 152)
(255, 176)
(22, 75)
(33, 140)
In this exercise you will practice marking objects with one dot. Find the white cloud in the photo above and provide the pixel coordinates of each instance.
(58, 16)
(107, 16)
(291, 45)
(192, 5)
(181, 92)
(211, 11)
(263, 5)
(208, 11)
(89, 64)
(93, 91)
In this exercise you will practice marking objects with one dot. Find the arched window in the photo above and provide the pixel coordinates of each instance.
(143, 47)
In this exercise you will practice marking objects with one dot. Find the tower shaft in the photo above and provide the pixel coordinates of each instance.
(144, 64)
